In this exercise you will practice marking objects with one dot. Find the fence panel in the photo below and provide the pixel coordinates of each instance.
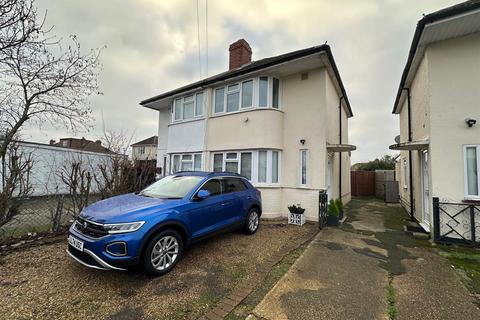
(456, 222)
(363, 183)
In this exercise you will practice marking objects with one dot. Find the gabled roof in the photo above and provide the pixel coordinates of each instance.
(256, 66)
(443, 14)
(153, 140)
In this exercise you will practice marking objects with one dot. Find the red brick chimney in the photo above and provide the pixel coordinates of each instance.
(240, 54)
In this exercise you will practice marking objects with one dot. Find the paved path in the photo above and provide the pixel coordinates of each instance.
(345, 273)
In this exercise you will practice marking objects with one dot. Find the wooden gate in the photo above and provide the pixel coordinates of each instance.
(362, 183)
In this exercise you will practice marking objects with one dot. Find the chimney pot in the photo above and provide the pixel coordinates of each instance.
(240, 54)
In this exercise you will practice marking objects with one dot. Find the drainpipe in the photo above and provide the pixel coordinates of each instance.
(340, 153)
(410, 166)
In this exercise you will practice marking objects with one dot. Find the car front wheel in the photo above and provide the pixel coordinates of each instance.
(253, 221)
(162, 253)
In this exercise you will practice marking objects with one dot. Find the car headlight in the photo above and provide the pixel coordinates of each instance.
(123, 227)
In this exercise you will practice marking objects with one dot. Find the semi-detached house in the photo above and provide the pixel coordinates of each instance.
(282, 122)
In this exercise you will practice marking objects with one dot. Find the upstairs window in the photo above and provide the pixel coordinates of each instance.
(188, 107)
(186, 162)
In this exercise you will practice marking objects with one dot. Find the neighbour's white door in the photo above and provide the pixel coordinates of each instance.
(426, 192)
(330, 176)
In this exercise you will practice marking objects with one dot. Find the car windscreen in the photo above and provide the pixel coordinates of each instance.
(175, 187)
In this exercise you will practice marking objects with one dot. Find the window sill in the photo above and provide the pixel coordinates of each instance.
(186, 121)
(223, 114)
(267, 185)
(471, 200)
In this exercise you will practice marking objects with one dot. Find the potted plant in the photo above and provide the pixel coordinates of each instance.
(339, 204)
(296, 215)
(333, 214)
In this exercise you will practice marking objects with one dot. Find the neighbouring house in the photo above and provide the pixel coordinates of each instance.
(81, 144)
(437, 103)
(145, 149)
(282, 122)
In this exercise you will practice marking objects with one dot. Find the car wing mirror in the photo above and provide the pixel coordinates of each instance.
(202, 194)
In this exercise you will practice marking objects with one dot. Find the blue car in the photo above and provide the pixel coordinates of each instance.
(152, 228)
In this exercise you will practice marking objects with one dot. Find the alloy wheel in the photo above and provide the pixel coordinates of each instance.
(164, 253)
(253, 221)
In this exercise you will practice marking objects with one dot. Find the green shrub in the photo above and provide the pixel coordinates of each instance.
(333, 208)
(339, 204)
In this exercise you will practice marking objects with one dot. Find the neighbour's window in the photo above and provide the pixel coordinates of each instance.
(276, 85)
(213, 186)
(188, 107)
(472, 163)
(233, 185)
(142, 150)
(247, 94)
(260, 166)
(263, 92)
(233, 97)
(303, 167)
(187, 162)
(219, 100)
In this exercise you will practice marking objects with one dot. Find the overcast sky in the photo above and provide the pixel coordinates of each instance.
(152, 47)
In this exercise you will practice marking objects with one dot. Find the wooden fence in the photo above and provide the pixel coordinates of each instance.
(363, 183)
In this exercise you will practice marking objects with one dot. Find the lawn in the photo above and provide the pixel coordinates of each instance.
(44, 283)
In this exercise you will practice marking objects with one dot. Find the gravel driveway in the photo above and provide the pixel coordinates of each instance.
(43, 283)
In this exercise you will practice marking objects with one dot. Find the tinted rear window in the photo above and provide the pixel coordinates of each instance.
(233, 185)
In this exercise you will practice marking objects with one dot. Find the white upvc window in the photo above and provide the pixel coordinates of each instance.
(186, 162)
(260, 92)
(303, 167)
(188, 107)
(258, 166)
(471, 165)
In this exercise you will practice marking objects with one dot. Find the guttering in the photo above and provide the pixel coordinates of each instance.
(430, 18)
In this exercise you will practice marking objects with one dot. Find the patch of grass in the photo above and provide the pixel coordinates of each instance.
(247, 305)
(467, 262)
(239, 273)
(209, 297)
(392, 309)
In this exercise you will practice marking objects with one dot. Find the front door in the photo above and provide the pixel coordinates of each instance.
(425, 191)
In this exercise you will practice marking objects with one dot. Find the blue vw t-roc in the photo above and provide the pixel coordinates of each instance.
(152, 228)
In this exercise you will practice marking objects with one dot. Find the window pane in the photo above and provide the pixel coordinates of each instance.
(188, 98)
(188, 110)
(197, 162)
(262, 166)
(275, 93)
(178, 109)
(232, 155)
(263, 92)
(231, 166)
(233, 87)
(472, 171)
(218, 162)
(233, 185)
(246, 165)
(187, 157)
(232, 101)
(219, 96)
(199, 104)
(247, 94)
(176, 163)
(274, 166)
(304, 166)
(187, 165)
(212, 186)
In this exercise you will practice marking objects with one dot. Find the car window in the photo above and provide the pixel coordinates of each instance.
(213, 186)
(171, 187)
(233, 185)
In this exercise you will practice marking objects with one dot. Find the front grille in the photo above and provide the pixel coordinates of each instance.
(85, 257)
(89, 229)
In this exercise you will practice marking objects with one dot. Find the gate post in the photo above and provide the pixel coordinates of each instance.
(436, 219)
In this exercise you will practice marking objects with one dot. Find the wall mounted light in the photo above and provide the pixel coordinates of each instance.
(302, 141)
(470, 122)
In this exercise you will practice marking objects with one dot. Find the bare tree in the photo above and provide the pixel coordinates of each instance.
(78, 179)
(17, 186)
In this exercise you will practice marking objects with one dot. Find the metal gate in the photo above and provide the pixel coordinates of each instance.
(322, 209)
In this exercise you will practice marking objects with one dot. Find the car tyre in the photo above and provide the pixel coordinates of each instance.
(162, 253)
(252, 223)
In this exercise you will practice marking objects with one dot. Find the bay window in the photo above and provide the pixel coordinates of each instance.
(186, 162)
(258, 166)
(188, 107)
(261, 92)
(472, 179)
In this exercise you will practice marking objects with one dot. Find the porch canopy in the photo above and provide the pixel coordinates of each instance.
(410, 145)
(340, 147)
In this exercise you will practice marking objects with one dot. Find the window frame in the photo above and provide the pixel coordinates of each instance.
(465, 172)
(182, 107)
(181, 161)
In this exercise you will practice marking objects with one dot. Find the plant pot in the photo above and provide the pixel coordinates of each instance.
(333, 221)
